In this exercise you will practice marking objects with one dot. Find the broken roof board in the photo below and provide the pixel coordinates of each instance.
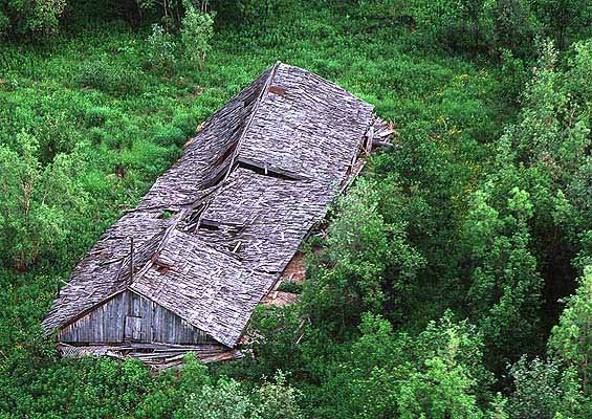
(303, 133)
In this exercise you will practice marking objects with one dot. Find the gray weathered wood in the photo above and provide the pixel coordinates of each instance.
(130, 317)
(215, 232)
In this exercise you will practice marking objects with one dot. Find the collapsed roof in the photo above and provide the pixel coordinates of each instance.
(214, 232)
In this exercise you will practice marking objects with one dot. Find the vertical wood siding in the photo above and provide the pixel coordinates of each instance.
(129, 317)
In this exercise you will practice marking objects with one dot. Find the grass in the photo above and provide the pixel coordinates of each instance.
(91, 90)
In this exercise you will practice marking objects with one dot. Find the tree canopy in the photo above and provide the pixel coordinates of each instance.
(454, 278)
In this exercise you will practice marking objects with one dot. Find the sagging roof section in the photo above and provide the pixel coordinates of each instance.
(215, 232)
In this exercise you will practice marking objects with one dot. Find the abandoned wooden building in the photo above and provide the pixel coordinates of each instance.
(185, 269)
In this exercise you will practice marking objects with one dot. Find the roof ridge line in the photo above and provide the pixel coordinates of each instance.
(179, 216)
(161, 244)
(239, 142)
(262, 94)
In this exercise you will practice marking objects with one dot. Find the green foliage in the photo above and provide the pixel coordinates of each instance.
(228, 398)
(262, 12)
(525, 221)
(37, 201)
(565, 20)
(275, 332)
(4, 23)
(161, 50)
(225, 400)
(32, 17)
(505, 291)
(447, 383)
(77, 390)
(291, 286)
(277, 400)
(170, 391)
(515, 26)
(437, 374)
(571, 339)
(102, 76)
(196, 34)
(543, 390)
(473, 26)
(553, 134)
(370, 262)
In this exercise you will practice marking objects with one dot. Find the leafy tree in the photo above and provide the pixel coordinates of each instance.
(553, 135)
(515, 26)
(224, 400)
(171, 391)
(449, 373)
(384, 374)
(564, 20)
(161, 49)
(197, 31)
(36, 201)
(274, 335)
(525, 221)
(361, 380)
(465, 26)
(543, 390)
(278, 400)
(571, 339)
(504, 296)
(368, 264)
(30, 17)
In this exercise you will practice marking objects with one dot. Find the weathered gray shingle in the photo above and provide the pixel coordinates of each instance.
(214, 233)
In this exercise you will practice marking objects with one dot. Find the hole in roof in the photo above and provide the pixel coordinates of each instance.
(266, 171)
(216, 179)
(207, 225)
(226, 153)
(166, 214)
(162, 269)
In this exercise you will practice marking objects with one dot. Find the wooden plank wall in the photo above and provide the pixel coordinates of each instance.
(129, 317)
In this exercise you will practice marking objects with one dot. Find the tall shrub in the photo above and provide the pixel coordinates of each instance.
(197, 31)
(35, 201)
(30, 17)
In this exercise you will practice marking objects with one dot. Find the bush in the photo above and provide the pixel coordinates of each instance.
(262, 12)
(571, 339)
(36, 201)
(161, 50)
(196, 34)
(369, 264)
(33, 18)
(542, 389)
(278, 400)
(109, 79)
(225, 400)
(276, 330)
(169, 136)
(4, 24)
(96, 116)
(478, 26)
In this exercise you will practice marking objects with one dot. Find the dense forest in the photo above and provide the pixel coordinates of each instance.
(454, 280)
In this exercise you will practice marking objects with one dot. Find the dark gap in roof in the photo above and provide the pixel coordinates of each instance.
(166, 214)
(209, 226)
(267, 171)
(215, 179)
(224, 228)
(226, 153)
(193, 218)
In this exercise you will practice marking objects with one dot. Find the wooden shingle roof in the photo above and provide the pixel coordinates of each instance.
(242, 197)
